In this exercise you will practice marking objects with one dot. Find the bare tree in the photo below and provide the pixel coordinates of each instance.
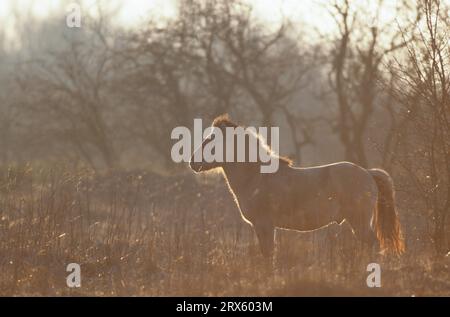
(67, 91)
(361, 46)
(265, 68)
(423, 90)
(215, 58)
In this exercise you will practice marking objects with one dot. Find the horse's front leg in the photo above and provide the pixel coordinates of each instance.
(265, 232)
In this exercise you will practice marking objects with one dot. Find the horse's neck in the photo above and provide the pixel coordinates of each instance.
(239, 177)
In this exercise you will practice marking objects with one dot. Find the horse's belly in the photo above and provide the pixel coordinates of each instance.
(308, 219)
(299, 226)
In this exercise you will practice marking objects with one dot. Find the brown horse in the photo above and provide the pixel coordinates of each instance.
(306, 199)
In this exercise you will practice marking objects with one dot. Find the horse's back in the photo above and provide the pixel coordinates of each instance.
(340, 173)
(352, 179)
(329, 190)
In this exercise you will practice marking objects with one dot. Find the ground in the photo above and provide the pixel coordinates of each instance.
(139, 233)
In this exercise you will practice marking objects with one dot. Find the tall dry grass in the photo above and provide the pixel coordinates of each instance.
(137, 233)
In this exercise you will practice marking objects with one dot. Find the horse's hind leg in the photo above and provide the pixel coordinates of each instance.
(365, 235)
(359, 219)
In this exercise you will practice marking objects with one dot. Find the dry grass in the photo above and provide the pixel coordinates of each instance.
(147, 235)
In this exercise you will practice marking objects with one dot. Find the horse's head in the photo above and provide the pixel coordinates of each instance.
(228, 145)
(203, 164)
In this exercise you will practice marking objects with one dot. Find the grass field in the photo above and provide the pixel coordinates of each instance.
(141, 234)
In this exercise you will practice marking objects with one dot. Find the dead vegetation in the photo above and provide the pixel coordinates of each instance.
(140, 234)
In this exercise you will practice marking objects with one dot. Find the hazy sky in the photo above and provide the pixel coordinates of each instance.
(133, 11)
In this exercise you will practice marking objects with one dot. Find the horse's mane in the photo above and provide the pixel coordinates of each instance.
(225, 121)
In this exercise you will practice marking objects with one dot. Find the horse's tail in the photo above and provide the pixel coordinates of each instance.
(385, 220)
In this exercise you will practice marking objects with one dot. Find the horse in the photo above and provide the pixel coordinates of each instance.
(309, 198)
